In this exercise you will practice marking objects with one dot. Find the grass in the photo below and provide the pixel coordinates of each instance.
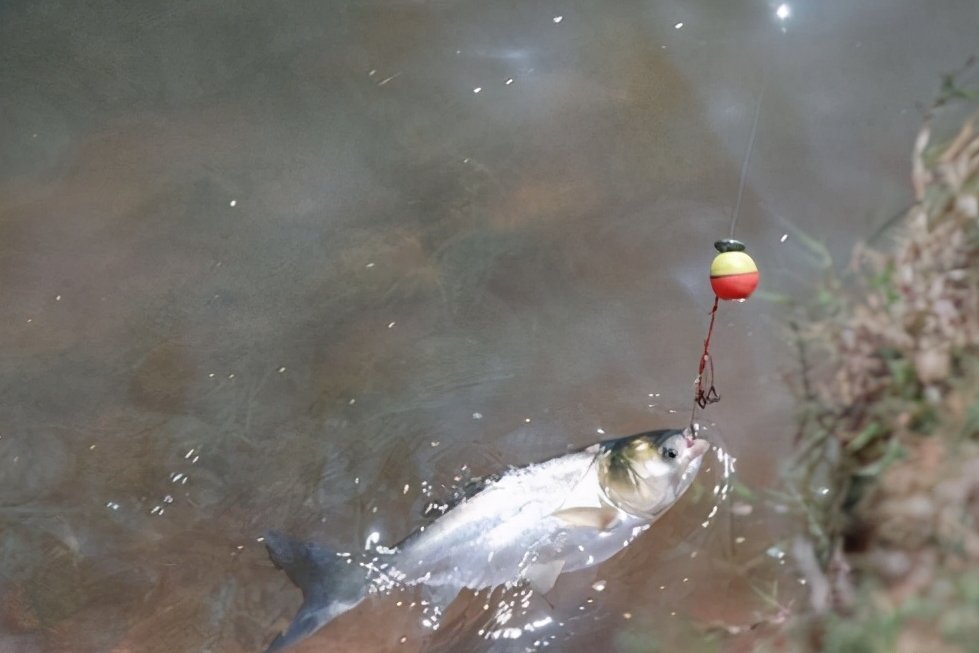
(887, 465)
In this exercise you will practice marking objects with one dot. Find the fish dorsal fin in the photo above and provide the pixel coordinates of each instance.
(602, 518)
(542, 576)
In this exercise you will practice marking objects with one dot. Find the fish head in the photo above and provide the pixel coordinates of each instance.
(647, 473)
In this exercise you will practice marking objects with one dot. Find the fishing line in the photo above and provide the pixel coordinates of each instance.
(747, 156)
(730, 269)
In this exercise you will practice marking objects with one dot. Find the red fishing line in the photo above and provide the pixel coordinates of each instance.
(704, 397)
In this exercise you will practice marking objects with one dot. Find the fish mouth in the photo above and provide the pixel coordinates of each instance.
(696, 447)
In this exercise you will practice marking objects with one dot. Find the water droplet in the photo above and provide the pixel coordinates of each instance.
(371, 540)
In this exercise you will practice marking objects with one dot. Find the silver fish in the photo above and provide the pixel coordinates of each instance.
(527, 525)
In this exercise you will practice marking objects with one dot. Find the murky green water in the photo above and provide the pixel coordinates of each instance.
(275, 264)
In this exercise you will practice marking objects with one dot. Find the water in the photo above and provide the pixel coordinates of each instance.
(269, 265)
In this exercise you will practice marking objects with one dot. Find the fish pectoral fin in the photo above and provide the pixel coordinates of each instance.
(598, 518)
(542, 576)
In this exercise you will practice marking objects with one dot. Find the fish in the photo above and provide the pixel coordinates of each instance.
(525, 525)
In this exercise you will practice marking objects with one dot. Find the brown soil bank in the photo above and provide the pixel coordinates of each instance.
(888, 463)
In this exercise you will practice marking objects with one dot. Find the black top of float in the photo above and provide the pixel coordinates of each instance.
(729, 245)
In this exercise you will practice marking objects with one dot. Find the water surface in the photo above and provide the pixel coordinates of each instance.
(274, 265)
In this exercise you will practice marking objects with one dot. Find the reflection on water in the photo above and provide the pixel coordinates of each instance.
(268, 265)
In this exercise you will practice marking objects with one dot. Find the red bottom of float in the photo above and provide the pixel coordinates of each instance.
(735, 286)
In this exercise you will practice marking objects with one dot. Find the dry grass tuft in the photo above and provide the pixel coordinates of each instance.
(888, 469)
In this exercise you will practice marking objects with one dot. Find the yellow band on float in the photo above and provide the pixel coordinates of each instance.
(730, 263)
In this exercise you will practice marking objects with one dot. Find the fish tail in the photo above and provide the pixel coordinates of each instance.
(331, 585)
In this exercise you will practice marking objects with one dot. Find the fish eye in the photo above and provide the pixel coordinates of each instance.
(669, 452)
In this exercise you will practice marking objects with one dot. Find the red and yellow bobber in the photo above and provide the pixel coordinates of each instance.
(733, 274)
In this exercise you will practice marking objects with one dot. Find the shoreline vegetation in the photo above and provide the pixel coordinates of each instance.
(887, 464)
